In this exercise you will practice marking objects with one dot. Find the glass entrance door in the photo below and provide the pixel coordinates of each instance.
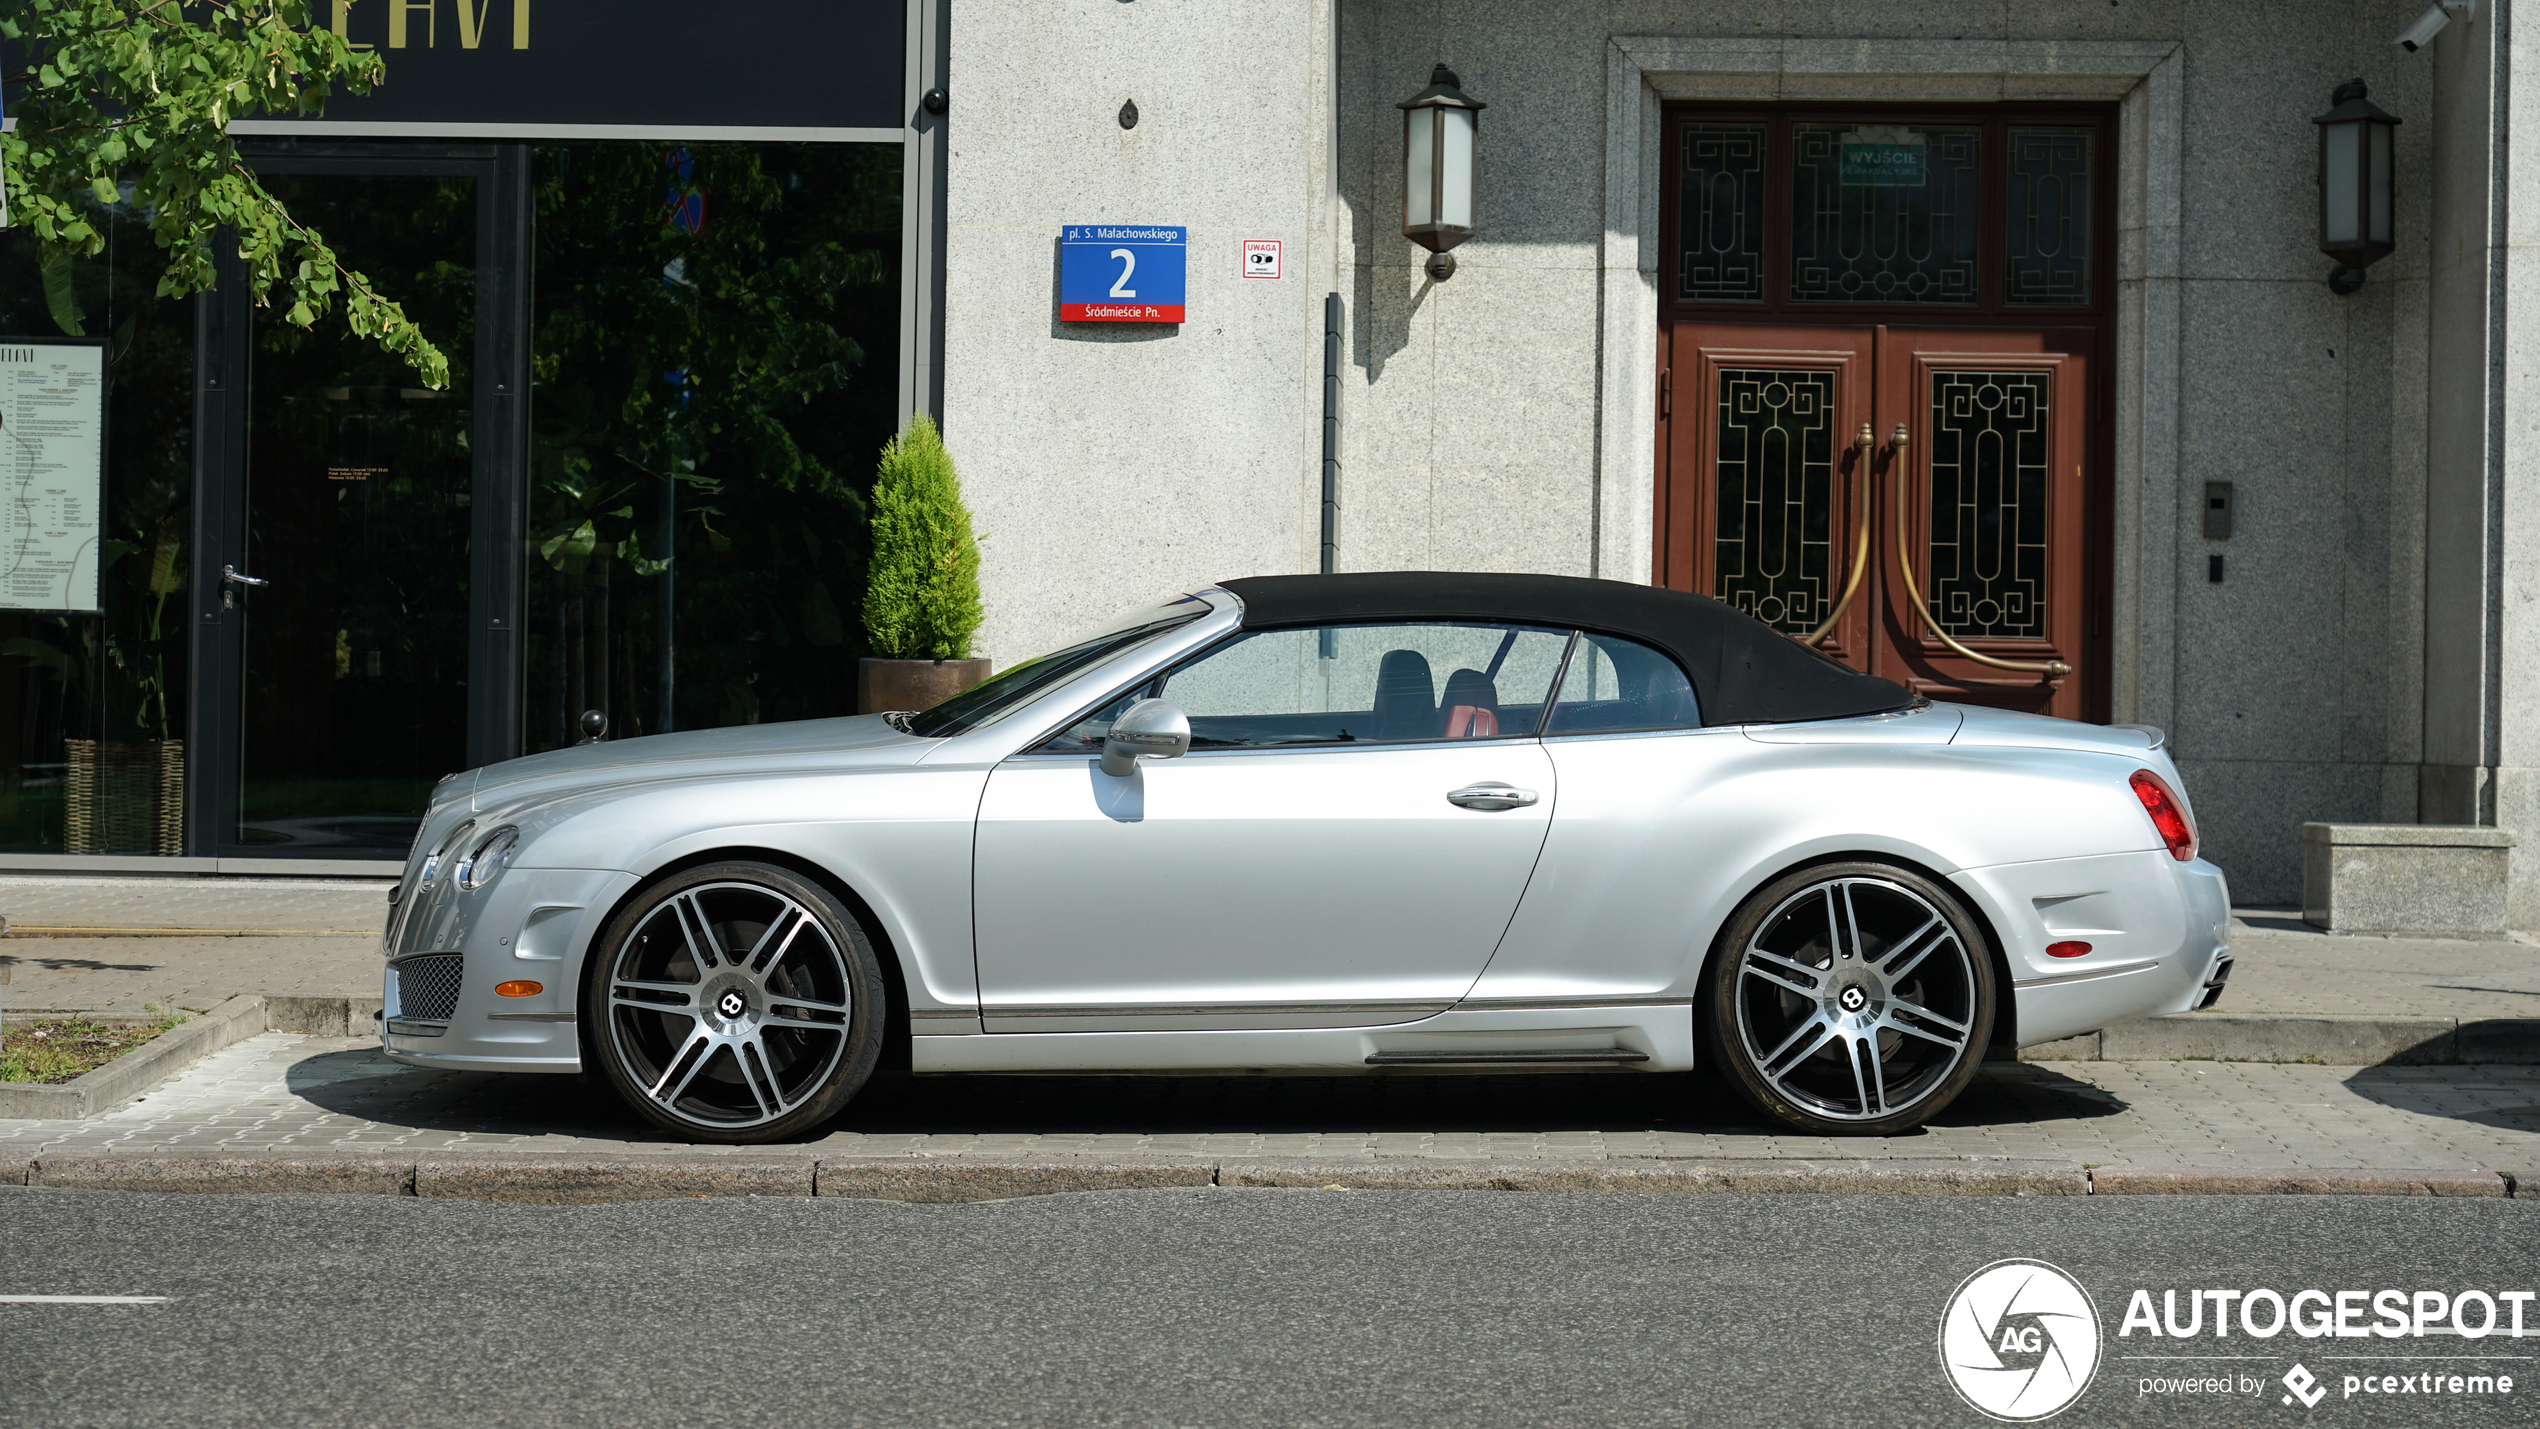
(352, 605)
(353, 682)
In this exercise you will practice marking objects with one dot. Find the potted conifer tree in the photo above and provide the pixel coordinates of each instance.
(921, 599)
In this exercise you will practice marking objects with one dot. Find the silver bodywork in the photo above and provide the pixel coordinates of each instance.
(1321, 909)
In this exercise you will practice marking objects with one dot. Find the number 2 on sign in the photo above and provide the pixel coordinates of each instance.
(1128, 265)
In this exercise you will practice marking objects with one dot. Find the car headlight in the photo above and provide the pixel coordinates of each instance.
(442, 856)
(489, 860)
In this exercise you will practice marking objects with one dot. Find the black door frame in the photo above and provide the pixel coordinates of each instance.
(499, 477)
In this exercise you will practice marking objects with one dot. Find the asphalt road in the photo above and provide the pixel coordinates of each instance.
(1196, 1307)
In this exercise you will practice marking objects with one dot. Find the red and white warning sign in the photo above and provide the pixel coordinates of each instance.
(1261, 258)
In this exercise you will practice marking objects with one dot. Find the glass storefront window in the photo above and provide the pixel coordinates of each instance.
(714, 370)
(93, 706)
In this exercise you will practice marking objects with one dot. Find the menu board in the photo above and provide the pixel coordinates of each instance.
(52, 473)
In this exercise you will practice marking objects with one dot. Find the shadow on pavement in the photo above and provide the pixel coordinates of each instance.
(21, 960)
(361, 1084)
(2500, 1096)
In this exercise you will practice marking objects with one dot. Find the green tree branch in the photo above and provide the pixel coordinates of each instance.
(120, 103)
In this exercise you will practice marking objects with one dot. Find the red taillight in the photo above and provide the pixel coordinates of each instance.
(2067, 950)
(2167, 817)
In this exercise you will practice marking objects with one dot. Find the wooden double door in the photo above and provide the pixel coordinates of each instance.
(1911, 500)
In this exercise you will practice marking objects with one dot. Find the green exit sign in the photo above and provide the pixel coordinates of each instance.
(1884, 165)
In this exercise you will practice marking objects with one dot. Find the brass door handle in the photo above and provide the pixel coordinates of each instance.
(1861, 445)
(2051, 670)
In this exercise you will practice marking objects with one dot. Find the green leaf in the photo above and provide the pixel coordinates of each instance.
(124, 81)
(59, 299)
(42, 656)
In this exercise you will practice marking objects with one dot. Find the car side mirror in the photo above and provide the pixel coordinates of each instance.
(1149, 729)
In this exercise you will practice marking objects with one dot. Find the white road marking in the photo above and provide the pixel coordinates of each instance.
(83, 1299)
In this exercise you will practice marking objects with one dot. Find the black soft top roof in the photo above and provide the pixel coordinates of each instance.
(1743, 670)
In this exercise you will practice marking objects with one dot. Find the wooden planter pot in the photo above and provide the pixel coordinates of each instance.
(913, 684)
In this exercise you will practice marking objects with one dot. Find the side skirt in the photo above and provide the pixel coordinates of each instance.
(1649, 1037)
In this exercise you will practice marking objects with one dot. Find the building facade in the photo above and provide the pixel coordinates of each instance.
(2094, 307)
(1989, 345)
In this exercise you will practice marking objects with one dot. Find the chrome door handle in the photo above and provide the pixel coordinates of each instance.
(1490, 794)
(231, 575)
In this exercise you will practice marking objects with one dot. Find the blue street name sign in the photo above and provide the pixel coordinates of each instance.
(1120, 273)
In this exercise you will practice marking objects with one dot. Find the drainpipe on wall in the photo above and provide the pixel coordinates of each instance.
(1331, 429)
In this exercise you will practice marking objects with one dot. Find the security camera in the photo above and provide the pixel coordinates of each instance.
(2431, 23)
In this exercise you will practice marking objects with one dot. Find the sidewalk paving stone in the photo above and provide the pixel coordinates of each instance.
(2283, 965)
(281, 1092)
(66, 900)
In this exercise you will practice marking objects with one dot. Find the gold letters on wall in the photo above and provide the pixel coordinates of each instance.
(472, 17)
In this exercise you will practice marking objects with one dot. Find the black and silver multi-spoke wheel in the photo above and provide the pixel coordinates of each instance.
(735, 1002)
(1851, 999)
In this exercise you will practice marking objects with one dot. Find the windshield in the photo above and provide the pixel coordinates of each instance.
(1016, 685)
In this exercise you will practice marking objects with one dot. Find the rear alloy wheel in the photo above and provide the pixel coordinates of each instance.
(1852, 999)
(736, 1002)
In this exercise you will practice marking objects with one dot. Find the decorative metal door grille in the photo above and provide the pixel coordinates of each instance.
(2047, 209)
(1988, 503)
(1883, 214)
(1721, 217)
(1770, 552)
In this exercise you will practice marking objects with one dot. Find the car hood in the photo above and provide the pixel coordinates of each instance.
(808, 745)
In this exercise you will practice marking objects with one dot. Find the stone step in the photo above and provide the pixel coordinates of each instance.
(2362, 1040)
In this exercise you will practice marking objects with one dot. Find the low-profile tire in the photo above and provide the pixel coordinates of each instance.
(734, 1002)
(1850, 999)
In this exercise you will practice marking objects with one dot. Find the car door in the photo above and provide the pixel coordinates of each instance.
(1320, 858)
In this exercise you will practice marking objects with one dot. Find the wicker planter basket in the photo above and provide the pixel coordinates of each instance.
(124, 796)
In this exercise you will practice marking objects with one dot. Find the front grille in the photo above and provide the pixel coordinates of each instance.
(428, 987)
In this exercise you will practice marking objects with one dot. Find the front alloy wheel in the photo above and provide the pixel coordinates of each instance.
(1852, 999)
(735, 1002)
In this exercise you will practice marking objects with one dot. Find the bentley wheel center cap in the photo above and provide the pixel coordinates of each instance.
(732, 1004)
(1852, 999)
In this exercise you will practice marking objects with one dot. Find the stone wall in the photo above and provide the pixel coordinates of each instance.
(1109, 464)
(1496, 421)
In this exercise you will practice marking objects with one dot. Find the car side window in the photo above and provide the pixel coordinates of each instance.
(1615, 684)
(1352, 684)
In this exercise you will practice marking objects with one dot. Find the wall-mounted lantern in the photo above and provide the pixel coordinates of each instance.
(1439, 168)
(2355, 197)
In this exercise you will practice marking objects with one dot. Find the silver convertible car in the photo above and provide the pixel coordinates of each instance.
(1370, 824)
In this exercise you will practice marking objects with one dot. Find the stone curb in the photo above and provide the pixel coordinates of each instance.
(559, 1180)
(355, 1175)
(577, 1181)
(138, 1070)
(950, 1181)
(324, 1016)
(2291, 1181)
(1909, 1178)
(2355, 1040)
